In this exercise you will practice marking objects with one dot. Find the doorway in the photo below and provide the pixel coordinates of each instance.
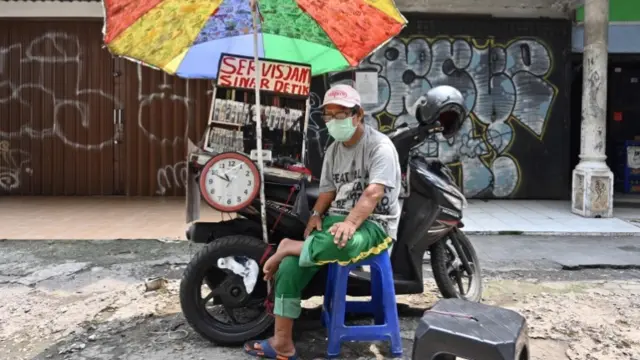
(57, 110)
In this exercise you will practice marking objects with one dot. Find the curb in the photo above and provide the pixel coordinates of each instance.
(551, 233)
(626, 204)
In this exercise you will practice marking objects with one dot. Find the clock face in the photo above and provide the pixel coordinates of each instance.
(229, 182)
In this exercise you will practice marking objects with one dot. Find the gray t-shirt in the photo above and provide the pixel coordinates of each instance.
(349, 170)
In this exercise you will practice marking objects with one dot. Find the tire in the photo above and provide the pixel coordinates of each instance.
(440, 260)
(201, 267)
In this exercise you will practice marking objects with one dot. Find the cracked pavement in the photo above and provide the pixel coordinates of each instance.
(87, 300)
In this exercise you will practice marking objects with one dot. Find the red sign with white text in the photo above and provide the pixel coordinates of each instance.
(277, 77)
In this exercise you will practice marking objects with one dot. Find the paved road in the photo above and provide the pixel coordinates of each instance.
(85, 299)
(558, 252)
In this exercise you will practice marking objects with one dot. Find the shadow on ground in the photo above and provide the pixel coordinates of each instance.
(170, 337)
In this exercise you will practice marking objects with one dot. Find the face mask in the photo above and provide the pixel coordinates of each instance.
(341, 130)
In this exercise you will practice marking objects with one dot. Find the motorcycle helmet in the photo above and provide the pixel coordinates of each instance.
(443, 105)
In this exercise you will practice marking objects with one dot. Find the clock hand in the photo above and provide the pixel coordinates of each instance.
(225, 178)
(235, 168)
(226, 174)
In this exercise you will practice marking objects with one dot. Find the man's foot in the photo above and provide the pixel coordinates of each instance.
(271, 265)
(285, 248)
(268, 349)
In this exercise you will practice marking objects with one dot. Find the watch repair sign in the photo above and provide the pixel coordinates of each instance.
(275, 76)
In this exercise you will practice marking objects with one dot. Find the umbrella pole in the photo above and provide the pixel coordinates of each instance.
(307, 109)
(258, 113)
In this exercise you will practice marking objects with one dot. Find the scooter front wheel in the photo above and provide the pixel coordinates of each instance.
(448, 257)
(215, 300)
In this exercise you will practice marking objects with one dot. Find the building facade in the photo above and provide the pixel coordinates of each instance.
(75, 121)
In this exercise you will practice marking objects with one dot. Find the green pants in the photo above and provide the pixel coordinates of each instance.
(295, 272)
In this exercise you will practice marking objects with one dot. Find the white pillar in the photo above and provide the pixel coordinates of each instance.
(592, 186)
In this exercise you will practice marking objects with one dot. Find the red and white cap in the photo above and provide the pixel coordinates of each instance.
(343, 95)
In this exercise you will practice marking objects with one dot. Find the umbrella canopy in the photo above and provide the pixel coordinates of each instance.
(186, 37)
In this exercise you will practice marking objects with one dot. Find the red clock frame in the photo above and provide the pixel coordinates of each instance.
(224, 156)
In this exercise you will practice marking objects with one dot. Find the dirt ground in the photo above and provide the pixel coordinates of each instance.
(116, 320)
(52, 308)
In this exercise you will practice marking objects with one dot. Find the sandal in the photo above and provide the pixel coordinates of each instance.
(265, 351)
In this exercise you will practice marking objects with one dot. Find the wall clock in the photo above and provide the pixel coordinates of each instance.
(229, 182)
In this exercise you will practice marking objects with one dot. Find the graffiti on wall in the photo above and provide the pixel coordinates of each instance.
(64, 108)
(504, 85)
(172, 176)
(13, 164)
(162, 94)
(168, 176)
(45, 111)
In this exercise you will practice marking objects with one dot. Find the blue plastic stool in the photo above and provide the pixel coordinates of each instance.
(382, 306)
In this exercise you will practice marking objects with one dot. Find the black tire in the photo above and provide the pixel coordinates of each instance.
(440, 260)
(201, 266)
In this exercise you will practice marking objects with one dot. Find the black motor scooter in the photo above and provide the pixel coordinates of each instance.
(226, 304)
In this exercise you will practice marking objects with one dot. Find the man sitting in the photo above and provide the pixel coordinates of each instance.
(359, 190)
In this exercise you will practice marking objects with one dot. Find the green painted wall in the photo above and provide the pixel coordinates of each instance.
(619, 10)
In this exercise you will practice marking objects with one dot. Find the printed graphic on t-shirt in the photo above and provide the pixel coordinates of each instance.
(350, 186)
(348, 172)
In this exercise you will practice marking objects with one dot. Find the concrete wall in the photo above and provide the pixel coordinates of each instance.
(48, 9)
(498, 8)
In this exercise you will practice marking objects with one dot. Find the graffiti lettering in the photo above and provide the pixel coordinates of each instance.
(172, 176)
(45, 112)
(12, 164)
(164, 92)
(502, 83)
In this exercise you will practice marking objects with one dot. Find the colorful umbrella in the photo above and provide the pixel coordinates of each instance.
(186, 37)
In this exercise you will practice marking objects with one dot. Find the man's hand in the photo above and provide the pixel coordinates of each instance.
(342, 232)
(315, 223)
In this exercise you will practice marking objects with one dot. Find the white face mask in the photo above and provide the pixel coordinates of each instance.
(341, 130)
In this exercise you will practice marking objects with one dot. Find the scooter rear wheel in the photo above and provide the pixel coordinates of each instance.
(448, 271)
(204, 287)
